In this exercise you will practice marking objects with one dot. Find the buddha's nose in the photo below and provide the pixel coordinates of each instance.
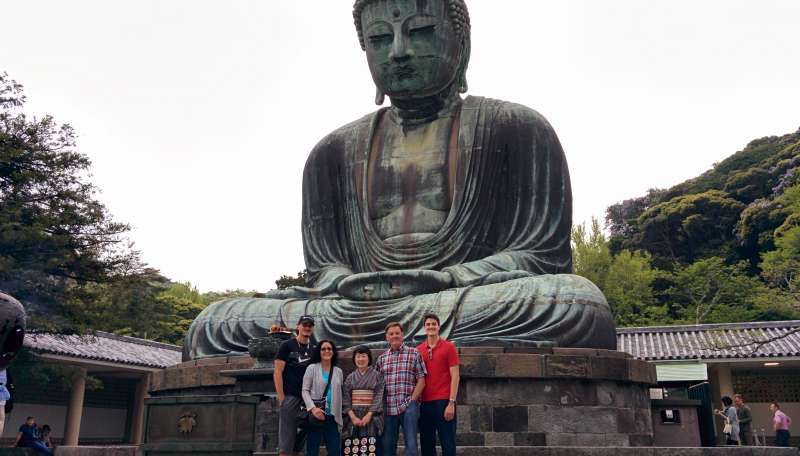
(400, 48)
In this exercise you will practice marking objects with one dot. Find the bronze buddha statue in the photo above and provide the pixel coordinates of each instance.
(438, 203)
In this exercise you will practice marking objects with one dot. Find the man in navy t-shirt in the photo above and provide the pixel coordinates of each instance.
(293, 358)
(29, 437)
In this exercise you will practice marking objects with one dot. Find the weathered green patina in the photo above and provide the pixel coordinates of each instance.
(461, 207)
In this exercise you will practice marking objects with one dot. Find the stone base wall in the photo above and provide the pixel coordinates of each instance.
(553, 412)
(557, 397)
(508, 397)
(123, 450)
(201, 376)
(212, 425)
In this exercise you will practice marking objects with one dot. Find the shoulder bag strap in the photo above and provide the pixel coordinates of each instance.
(328, 386)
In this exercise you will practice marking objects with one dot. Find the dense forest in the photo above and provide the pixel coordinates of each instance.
(722, 247)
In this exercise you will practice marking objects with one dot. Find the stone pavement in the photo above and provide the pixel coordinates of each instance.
(612, 451)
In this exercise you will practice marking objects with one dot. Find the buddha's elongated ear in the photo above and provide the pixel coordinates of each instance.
(380, 97)
(462, 71)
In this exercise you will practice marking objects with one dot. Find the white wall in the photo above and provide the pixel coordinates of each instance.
(96, 423)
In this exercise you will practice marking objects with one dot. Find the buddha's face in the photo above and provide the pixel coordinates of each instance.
(412, 48)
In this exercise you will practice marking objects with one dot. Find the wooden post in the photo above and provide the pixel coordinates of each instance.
(137, 425)
(75, 409)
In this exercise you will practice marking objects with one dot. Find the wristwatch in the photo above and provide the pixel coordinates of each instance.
(452, 401)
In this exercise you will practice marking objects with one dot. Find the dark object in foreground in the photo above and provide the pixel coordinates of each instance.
(12, 331)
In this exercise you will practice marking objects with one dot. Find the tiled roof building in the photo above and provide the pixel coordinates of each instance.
(714, 341)
(759, 360)
(110, 415)
(102, 346)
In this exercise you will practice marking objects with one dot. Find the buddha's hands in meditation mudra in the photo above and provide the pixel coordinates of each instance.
(375, 286)
(386, 285)
(383, 285)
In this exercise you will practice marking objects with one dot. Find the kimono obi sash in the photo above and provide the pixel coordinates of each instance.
(362, 397)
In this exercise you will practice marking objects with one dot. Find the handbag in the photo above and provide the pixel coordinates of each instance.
(727, 428)
(306, 419)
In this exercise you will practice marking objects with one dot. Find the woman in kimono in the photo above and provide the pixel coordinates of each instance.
(362, 400)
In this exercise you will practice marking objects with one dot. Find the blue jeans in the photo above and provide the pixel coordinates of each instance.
(391, 432)
(330, 433)
(40, 448)
(431, 423)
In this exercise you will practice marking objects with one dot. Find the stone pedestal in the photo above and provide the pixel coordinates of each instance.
(258, 383)
(553, 397)
(508, 397)
(553, 402)
(191, 425)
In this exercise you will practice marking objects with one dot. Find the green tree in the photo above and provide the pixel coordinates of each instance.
(625, 279)
(128, 305)
(591, 257)
(56, 238)
(300, 280)
(214, 296)
(689, 227)
(185, 302)
(629, 290)
(781, 267)
(711, 291)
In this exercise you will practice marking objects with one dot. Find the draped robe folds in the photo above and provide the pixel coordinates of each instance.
(511, 210)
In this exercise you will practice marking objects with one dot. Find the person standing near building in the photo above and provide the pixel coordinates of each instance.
(438, 409)
(731, 427)
(294, 356)
(404, 374)
(780, 423)
(5, 396)
(745, 416)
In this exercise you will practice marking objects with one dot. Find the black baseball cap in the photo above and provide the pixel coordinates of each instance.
(306, 319)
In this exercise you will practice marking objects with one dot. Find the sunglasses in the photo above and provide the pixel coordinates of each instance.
(326, 349)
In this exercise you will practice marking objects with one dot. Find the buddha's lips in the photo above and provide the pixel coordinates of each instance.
(404, 72)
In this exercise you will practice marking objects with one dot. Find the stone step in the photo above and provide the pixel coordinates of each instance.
(109, 450)
(611, 451)
(17, 452)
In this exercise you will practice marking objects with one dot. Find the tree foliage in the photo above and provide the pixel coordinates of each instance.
(625, 278)
(57, 239)
(725, 244)
(286, 281)
(712, 291)
(781, 267)
(688, 227)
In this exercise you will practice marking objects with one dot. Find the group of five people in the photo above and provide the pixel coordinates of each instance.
(412, 388)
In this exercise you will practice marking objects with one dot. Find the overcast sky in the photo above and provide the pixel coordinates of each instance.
(198, 115)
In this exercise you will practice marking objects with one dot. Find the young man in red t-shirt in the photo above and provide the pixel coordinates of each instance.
(438, 410)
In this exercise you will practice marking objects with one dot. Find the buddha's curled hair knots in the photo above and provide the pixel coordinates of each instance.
(459, 15)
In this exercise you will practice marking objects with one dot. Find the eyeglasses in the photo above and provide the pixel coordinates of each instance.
(430, 353)
(326, 349)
